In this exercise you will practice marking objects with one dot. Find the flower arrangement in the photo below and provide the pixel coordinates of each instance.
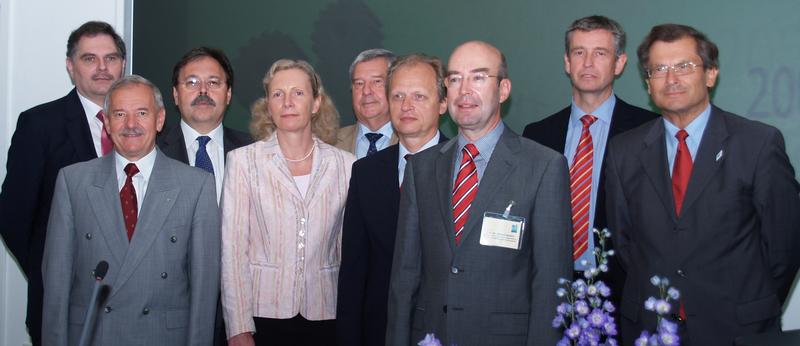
(430, 340)
(666, 333)
(585, 315)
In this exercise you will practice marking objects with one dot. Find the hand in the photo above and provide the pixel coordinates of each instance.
(244, 339)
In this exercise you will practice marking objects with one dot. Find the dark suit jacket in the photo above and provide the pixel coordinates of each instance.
(470, 294)
(368, 233)
(171, 142)
(48, 137)
(552, 132)
(735, 248)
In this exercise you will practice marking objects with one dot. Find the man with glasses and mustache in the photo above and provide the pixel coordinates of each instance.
(703, 197)
(202, 83)
(49, 137)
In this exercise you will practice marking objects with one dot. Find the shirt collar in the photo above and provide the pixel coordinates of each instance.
(695, 128)
(603, 113)
(430, 143)
(190, 134)
(386, 130)
(485, 144)
(89, 107)
(145, 164)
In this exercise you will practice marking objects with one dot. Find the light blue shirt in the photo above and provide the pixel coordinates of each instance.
(485, 146)
(695, 130)
(599, 131)
(362, 143)
(401, 162)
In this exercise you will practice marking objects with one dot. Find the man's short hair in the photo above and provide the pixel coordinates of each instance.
(706, 49)
(420, 59)
(92, 29)
(371, 54)
(203, 52)
(598, 22)
(133, 80)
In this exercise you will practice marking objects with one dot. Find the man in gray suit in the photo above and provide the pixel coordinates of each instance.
(484, 231)
(163, 252)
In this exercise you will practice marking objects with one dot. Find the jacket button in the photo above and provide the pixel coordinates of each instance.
(454, 270)
(145, 311)
(164, 275)
(88, 236)
(681, 273)
(107, 309)
(173, 239)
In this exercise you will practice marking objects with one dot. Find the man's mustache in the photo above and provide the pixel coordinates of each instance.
(203, 99)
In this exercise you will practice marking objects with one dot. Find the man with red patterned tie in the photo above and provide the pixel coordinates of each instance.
(703, 197)
(154, 220)
(484, 229)
(49, 137)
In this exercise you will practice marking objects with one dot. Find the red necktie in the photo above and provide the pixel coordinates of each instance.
(580, 188)
(681, 170)
(127, 197)
(465, 188)
(105, 142)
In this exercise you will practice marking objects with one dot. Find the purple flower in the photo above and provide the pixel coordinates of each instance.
(573, 332)
(662, 307)
(605, 291)
(608, 306)
(673, 293)
(430, 340)
(558, 321)
(563, 308)
(650, 304)
(669, 339)
(591, 290)
(642, 339)
(603, 267)
(655, 280)
(666, 326)
(561, 292)
(611, 342)
(596, 318)
(564, 342)
(581, 307)
(562, 281)
(610, 328)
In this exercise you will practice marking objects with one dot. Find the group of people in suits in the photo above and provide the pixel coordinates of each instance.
(386, 230)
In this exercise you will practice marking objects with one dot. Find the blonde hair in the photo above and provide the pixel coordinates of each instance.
(323, 124)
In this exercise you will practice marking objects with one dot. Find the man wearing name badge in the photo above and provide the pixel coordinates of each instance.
(417, 98)
(202, 83)
(594, 56)
(373, 130)
(703, 197)
(452, 274)
(49, 137)
(153, 219)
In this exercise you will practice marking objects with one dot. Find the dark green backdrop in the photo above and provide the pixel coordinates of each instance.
(758, 41)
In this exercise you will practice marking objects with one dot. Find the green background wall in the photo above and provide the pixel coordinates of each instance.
(759, 46)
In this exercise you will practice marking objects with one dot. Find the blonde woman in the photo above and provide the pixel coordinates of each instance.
(282, 207)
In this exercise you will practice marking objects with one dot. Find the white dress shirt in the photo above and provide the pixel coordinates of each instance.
(141, 179)
(214, 147)
(95, 125)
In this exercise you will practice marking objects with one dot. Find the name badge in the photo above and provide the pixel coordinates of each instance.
(502, 230)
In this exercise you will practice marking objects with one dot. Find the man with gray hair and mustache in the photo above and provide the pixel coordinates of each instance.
(202, 84)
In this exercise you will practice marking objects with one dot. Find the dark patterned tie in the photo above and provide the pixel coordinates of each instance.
(201, 159)
(372, 138)
(127, 197)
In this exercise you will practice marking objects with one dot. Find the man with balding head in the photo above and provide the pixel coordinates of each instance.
(484, 229)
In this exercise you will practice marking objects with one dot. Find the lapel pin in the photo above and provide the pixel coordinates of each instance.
(719, 155)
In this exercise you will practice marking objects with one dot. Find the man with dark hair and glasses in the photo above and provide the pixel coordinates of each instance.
(202, 83)
(51, 136)
(594, 55)
(703, 197)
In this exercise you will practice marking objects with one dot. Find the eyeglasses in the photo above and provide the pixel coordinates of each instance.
(476, 79)
(679, 69)
(193, 83)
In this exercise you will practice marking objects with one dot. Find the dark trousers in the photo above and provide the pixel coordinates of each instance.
(295, 331)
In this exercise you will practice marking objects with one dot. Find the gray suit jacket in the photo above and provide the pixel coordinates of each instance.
(472, 294)
(162, 286)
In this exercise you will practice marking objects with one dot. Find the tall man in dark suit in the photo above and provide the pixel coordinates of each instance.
(594, 56)
(153, 219)
(484, 226)
(202, 83)
(417, 98)
(703, 197)
(49, 137)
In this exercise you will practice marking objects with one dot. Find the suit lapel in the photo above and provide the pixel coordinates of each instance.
(162, 190)
(444, 177)
(104, 199)
(77, 127)
(500, 166)
(654, 162)
(706, 163)
(558, 140)
(174, 145)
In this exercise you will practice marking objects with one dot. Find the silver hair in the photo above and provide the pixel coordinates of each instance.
(597, 22)
(133, 80)
(370, 54)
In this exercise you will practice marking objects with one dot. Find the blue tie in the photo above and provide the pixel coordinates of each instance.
(372, 138)
(201, 159)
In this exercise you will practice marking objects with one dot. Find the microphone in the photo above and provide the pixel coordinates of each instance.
(99, 273)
